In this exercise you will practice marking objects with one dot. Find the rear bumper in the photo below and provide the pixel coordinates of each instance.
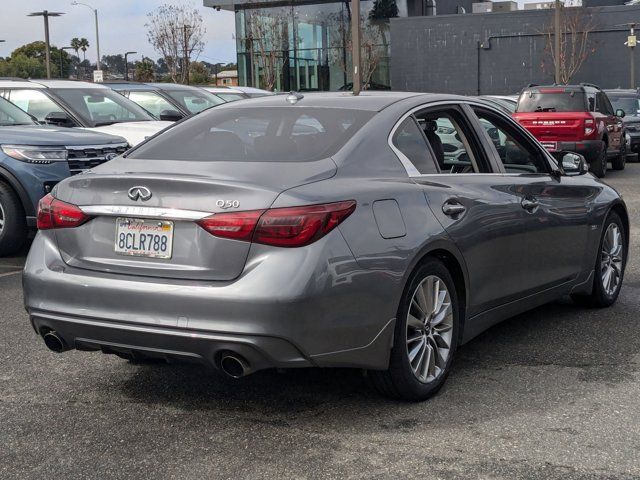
(590, 149)
(312, 306)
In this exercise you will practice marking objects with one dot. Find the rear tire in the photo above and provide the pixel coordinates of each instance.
(599, 167)
(13, 225)
(620, 161)
(610, 264)
(425, 337)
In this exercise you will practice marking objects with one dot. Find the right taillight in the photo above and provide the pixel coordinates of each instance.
(280, 227)
(589, 126)
(54, 213)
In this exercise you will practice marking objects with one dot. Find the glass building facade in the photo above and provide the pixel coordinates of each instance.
(305, 46)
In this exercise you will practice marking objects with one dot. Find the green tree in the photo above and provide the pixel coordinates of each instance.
(84, 44)
(199, 74)
(28, 61)
(22, 66)
(144, 71)
(75, 44)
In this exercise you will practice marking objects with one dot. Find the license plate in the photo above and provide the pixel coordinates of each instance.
(550, 146)
(144, 237)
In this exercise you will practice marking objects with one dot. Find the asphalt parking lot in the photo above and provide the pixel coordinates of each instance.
(552, 394)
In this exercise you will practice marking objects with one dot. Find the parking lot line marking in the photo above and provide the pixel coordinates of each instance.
(10, 273)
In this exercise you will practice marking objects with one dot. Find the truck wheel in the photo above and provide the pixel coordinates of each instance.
(13, 225)
(620, 161)
(599, 166)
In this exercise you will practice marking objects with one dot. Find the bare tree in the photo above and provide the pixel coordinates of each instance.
(576, 42)
(266, 38)
(176, 32)
(372, 45)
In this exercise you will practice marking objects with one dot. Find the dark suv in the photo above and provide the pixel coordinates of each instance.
(33, 158)
(575, 118)
(629, 101)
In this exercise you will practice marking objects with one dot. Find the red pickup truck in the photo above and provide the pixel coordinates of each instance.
(575, 118)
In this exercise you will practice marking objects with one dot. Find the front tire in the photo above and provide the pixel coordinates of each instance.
(13, 226)
(610, 264)
(425, 338)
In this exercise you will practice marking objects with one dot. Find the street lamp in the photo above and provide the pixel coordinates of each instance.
(95, 12)
(61, 51)
(126, 65)
(47, 51)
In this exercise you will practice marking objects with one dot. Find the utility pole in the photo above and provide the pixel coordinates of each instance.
(631, 43)
(355, 45)
(185, 62)
(556, 40)
(47, 51)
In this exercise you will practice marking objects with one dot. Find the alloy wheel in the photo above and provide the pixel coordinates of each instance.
(611, 259)
(2, 218)
(429, 329)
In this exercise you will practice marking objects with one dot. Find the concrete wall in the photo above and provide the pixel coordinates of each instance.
(442, 53)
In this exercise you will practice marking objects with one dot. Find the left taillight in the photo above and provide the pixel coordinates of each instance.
(280, 227)
(54, 213)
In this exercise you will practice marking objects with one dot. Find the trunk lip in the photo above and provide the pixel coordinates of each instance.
(144, 212)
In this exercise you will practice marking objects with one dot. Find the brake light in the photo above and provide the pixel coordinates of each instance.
(280, 227)
(54, 213)
(589, 126)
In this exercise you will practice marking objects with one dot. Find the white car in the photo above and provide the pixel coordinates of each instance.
(91, 106)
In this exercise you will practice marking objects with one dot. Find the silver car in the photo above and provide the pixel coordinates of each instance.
(323, 230)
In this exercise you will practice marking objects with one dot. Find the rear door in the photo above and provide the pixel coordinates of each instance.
(554, 210)
(472, 201)
(613, 124)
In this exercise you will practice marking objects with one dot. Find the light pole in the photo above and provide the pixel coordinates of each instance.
(126, 65)
(355, 45)
(556, 40)
(47, 51)
(95, 12)
(61, 51)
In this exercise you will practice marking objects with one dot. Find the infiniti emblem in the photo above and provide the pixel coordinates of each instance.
(139, 193)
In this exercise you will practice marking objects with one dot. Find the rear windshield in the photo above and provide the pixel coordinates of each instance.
(630, 105)
(552, 100)
(265, 134)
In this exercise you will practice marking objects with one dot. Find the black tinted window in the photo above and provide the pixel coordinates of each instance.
(552, 100)
(267, 134)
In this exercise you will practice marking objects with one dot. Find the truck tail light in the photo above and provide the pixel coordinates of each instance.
(589, 126)
(54, 213)
(280, 227)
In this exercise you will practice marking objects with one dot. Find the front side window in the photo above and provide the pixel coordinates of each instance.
(34, 102)
(12, 115)
(517, 154)
(101, 106)
(152, 102)
(266, 134)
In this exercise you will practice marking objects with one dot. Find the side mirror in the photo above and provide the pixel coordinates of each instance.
(620, 113)
(60, 119)
(573, 164)
(171, 115)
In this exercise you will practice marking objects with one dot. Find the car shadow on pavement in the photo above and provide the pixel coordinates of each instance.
(532, 361)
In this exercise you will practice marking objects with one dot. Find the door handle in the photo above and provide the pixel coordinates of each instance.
(452, 208)
(530, 204)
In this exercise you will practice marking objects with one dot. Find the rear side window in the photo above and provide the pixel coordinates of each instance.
(266, 134)
(552, 100)
(410, 141)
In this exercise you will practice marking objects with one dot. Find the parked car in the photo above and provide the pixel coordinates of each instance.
(227, 94)
(33, 158)
(321, 230)
(167, 101)
(253, 92)
(67, 103)
(576, 118)
(629, 102)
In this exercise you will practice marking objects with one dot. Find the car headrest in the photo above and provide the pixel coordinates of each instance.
(430, 126)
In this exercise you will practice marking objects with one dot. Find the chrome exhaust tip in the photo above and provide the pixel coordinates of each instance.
(54, 343)
(234, 366)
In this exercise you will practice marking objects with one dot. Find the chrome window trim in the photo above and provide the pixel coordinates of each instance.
(143, 212)
(413, 172)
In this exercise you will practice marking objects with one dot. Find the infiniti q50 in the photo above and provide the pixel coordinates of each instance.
(379, 231)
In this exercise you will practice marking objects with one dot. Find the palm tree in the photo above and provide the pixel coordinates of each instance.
(84, 44)
(75, 44)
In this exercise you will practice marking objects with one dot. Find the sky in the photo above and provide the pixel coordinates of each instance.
(121, 24)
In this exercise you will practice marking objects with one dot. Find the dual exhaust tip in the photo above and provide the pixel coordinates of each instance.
(231, 364)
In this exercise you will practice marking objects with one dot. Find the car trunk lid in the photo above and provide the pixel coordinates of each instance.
(197, 190)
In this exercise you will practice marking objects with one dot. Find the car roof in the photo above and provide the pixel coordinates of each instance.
(218, 89)
(171, 86)
(67, 84)
(15, 83)
(367, 100)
